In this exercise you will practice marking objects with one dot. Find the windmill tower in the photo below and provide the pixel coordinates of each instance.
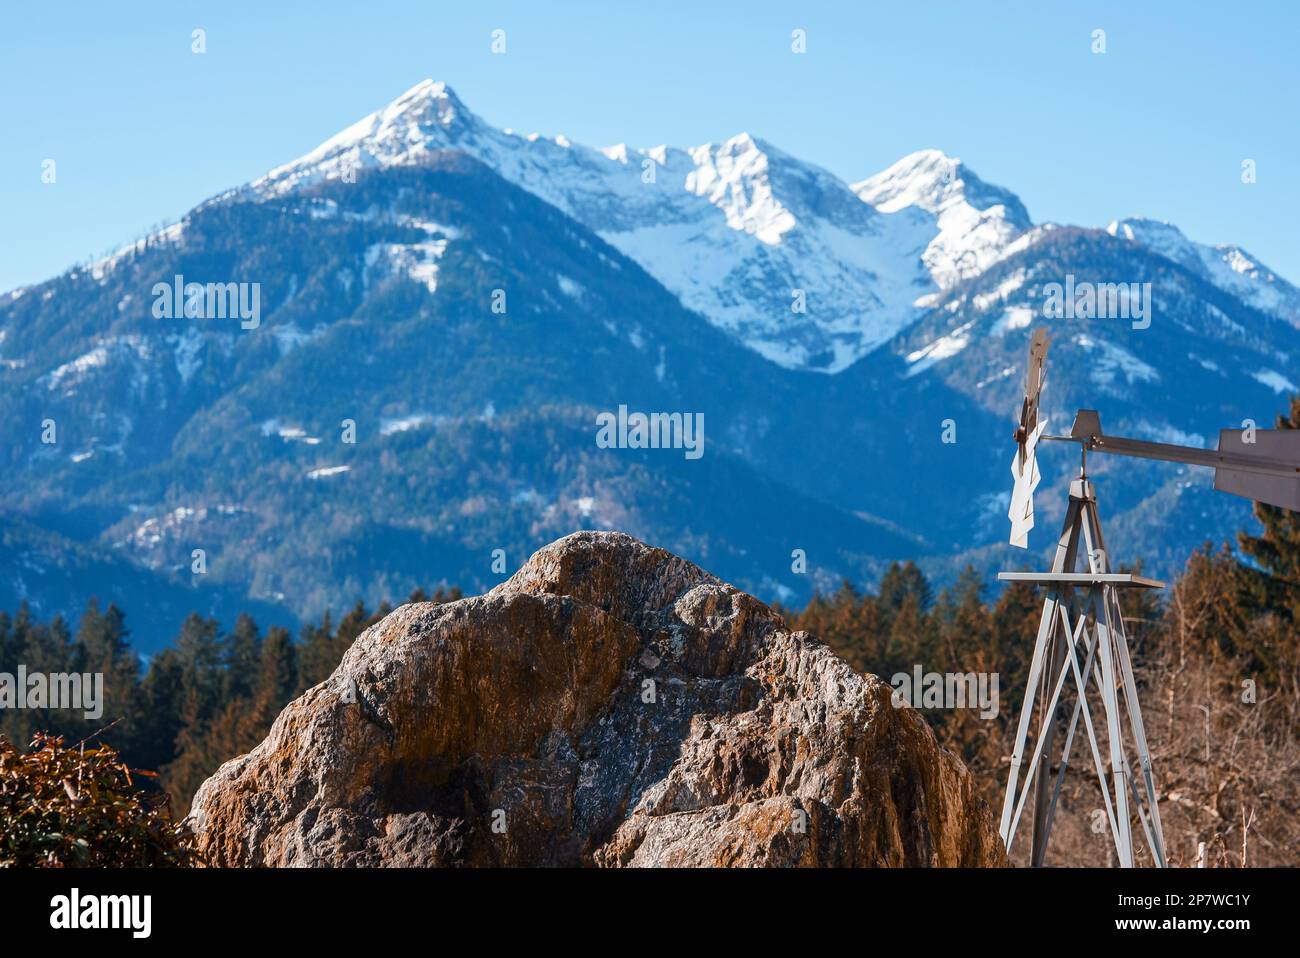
(1081, 650)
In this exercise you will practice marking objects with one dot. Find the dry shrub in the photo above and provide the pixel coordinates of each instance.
(80, 806)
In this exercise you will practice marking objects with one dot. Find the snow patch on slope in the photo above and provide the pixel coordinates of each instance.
(1114, 361)
(944, 347)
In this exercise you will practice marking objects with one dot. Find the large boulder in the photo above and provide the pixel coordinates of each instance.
(610, 704)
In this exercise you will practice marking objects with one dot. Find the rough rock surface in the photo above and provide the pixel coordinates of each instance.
(610, 704)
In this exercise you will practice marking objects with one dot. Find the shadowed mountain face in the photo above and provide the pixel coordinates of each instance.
(702, 733)
(443, 309)
(1201, 360)
(475, 430)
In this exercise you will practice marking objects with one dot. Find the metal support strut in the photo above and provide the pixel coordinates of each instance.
(1081, 636)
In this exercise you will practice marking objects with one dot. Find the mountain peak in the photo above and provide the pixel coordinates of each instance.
(975, 219)
(1159, 236)
(1141, 229)
(426, 117)
(427, 94)
(928, 179)
(743, 141)
(933, 181)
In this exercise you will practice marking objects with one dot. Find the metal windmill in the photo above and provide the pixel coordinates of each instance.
(1081, 634)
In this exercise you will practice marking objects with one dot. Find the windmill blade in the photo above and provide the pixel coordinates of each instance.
(1024, 467)
(1027, 478)
(1034, 373)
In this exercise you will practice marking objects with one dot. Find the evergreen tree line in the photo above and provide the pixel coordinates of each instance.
(1227, 762)
(208, 697)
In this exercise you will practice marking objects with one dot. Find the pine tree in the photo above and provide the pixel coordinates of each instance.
(277, 681)
(1277, 549)
(900, 581)
(41, 648)
(102, 646)
(316, 661)
(352, 625)
(908, 634)
(1015, 620)
(8, 651)
(101, 638)
(1218, 611)
(227, 736)
(157, 724)
(199, 649)
(966, 627)
(242, 657)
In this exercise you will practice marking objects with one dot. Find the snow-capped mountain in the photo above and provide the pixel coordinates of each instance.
(972, 223)
(768, 247)
(661, 278)
(776, 251)
(1201, 359)
(1230, 268)
(473, 429)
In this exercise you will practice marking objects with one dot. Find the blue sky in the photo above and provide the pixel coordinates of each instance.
(142, 129)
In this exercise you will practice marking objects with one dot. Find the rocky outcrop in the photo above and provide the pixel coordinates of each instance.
(610, 704)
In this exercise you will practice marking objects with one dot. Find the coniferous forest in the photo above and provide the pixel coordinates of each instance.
(209, 697)
(1218, 660)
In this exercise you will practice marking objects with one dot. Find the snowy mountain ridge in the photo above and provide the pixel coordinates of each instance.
(737, 229)
(1228, 267)
(809, 271)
